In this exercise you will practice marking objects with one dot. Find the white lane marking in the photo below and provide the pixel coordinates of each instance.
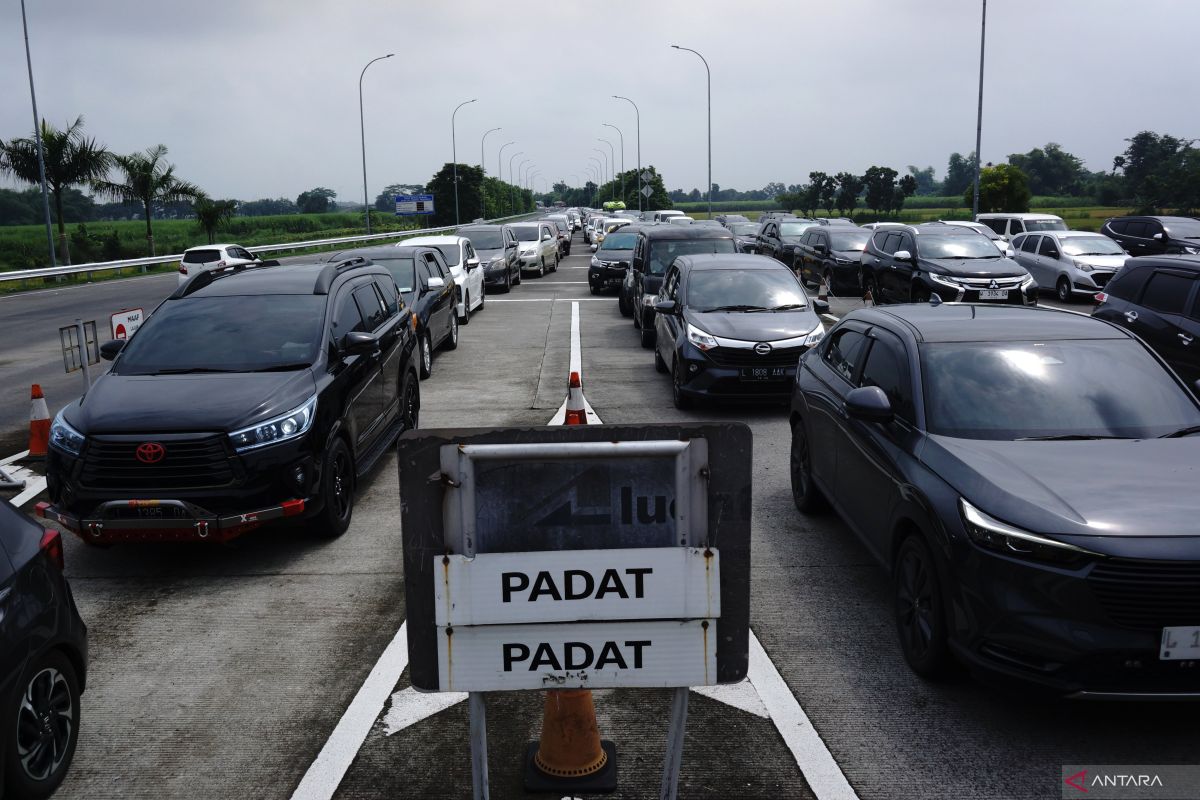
(410, 707)
(32, 490)
(741, 695)
(821, 771)
(327, 770)
(576, 365)
(553, 300)
(13, 457)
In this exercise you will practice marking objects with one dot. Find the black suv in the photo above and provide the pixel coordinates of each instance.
(248, 395)
(833, 254)
(778, 238)
(1149, 236)
(496, 247)
(911, 263)
(653, 252)
(1158, 298)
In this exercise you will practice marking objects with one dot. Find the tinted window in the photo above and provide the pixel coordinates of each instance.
(227, 334)
(1128, 283)
(347, 316)
(891, 242)
(1016, 226)
(1015, 390)
(387, 289)
(485, 240)
(201, 256)
(1117, 225)
(1029, 243)
(849, 241)
(371, 305)
(1195, 312)
(844, 352)
(1167, 293)
(1136, 229)
(996, 225)
(887, 368)
(526, 233)
(403, 271)
(663, 253)
(1048, 247)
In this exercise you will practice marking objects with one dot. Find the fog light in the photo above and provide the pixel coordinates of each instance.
(692, 368)
(298, 475)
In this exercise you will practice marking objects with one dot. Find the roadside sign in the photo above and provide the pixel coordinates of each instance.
(577, 557)
(75, 358)
(646, 176)
(408, 205)
(125, 322)
(647, 191)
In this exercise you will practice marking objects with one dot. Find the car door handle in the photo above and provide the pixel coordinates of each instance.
(1185, 338)
(1131, 316)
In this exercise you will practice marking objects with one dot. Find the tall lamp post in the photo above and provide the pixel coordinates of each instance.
(37, 133)
(454, 152)
(622, 135)
(499, 163)
(979, 115)
(707, 72)
(604, 164)
(599, 172)
(510, 179)
(482, 163)
(638, 112)
(362, 130)
(521, 171)
(612, 164)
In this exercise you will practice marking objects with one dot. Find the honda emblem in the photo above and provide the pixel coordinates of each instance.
(150, 452)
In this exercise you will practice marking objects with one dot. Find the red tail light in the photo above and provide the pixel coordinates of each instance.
(52, 546)
(182, 269)
(1101, 297)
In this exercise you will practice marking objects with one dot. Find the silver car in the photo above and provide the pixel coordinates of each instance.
(1073, 262)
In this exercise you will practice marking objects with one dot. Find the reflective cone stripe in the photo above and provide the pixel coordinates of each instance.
(576, 414)
(39, 422)
(570, 744)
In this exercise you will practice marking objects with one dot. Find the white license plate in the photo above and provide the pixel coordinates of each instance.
(1180, 644)
(993, 294)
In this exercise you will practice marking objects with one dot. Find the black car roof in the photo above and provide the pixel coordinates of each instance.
(685, 232)
(1178, 261)
(967, 322)
(728, 261)
(309, 277)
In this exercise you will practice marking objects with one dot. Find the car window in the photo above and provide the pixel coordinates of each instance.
(1117, 225)
(1135, 229)
(347, 316)
(844, 352)
(891, 243)
(1015, 226)
(906, 243)
(1029, 243)
(389, 293)
(1152, 227)
(1167, 292)
(201, 256)
(887, 367)
(671, 284)
(1048, 247)
(1195, 312)
(1128, 283)
(371, 305)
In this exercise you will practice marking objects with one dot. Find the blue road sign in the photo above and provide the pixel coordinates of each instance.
(408, 205)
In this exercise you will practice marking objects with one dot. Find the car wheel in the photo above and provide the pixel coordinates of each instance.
(410, 403)
(647, 337)
(594, 290)
(337, 485)
(805, 494)
(44, 720)
(556, 259)
(919, 294)
(426, 346)
(542, 267)
(681, 400)
(1063, 288)
(920, 621)
(623, 305)
(516, 282)
(482, 300)
(659, 365)
(451, 342)
(465, 319)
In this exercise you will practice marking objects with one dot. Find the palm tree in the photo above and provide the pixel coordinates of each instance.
(212, 214)
(71, 159)
(148, 179)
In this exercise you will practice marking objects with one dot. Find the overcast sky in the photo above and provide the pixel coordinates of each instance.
(258, 98)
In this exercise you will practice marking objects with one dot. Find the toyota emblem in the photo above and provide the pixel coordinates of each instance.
(150, 452)
(762, 348)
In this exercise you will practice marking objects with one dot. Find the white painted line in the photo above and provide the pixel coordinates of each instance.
(326, 772)
(822, 773)
(32, 490)
(13, 457)
(741, 695)
(576, 365)
(552, 300)
(410, 707)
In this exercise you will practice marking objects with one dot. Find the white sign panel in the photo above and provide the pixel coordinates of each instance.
(586, 655)
(125, 322)
(573, 585)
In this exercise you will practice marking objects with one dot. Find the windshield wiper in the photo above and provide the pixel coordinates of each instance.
(1188, 431)
(786, 307)
(283, 367)
(736, 308)
(190, 371)
(1067, 437)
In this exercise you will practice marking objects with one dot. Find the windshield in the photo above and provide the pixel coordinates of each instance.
(485, 240)
(1183, 230)
(619, 241)
(663, 253)
(1045, 225)
(743, 229)
(794, 228)
(1012, 390)
(957, 247)
(227, 334)
(849, 241)
(747, 290)
(526, 233)
(451, 253)
(1090, 246)
(403, 272)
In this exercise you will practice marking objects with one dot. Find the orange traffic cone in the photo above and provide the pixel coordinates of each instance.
(39, 423)
(570, 754)
(576, 413)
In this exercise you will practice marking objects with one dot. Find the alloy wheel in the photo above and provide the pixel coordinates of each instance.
(341, 484)
(1064, 290)
(45, 724)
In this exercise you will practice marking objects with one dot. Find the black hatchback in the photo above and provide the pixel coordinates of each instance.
(1027, 477)
(43, 659)
(733, 326)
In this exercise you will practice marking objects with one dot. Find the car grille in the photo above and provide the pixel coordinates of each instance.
(110, 463)
(986, 283)
(1100, 278)
(739, 357)
(1148, 595)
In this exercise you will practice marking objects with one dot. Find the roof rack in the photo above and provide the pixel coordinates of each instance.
(333, 269)
(206, 277)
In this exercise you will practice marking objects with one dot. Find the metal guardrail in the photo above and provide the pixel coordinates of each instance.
(101, 266)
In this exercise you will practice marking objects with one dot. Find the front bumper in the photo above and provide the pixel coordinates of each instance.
(495, 276)
(606, 277)
(1024, 294)
(163, 520)
(736, 375)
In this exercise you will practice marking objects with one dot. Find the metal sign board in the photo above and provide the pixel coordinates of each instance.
(535, 514)
(73, 357)
(125, 322)
(646, 176)
(408, 205)
(647, 191)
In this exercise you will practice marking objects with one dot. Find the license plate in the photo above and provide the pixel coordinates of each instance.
(764, 373)
(993, 294)
(1180, 644)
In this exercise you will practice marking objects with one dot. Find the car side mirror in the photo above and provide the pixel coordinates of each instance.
(820, 306)
(902, 255)
(1054, 254)
(594, 248)
(472, 263)
(869, 404)
(666, 307)
(109, 350)
(1157, 236)
(510, 245)
(435, 283)
(545, 237)
(357, 343)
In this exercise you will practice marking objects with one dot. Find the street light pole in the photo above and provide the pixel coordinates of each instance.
(637, 112)
(604, 171)
(979, 115)
(612, 170)
(37, 135)
(482, 163)
(599, 172)
(708, 72)
(362, 130)
(454, 153)
(521, 169)
(622, 135)
(499, 163)
(510, 180)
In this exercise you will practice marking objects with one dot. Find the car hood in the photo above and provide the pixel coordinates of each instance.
(975, 268)
(186, 403)
(759, 326)
(487, 255)
(1102, 262)
(615, 255)
(1121, 488)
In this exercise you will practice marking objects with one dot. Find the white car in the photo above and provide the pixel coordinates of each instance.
(998, 240)
(198, 259)
(464, 266)
(680, 220)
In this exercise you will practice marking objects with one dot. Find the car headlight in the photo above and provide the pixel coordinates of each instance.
(597, 262)
(842, 261)
(64, 437)
(285, 427)
(701, 339)
(1000, 537)
(1083, 266)
(649, 299)
(1191, 250)
(1028, 283)
(943, 280)
(814, 336)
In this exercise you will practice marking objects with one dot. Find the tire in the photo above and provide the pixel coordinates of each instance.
(465, 319)
(43, 716)
(678, 398)
(594, 290)
(410, 402)
(451, 342)
(919, 295)
(623, 305)
(517, 282)
(482, 300)
(337, 487)
(805, 494)
(426, 345)
(647, 337)
(919, 609)
(542, 268)
(660, 366)
(556, 260)
(1063, 290)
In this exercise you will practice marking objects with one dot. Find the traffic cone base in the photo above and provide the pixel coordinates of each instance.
(602, 782)
(39, 423)
(576, 412)
(570, 754)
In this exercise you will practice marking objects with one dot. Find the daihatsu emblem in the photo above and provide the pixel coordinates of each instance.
(762, 348)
